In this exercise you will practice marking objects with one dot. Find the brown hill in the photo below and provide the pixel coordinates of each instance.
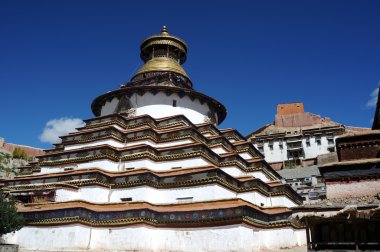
(10, 147)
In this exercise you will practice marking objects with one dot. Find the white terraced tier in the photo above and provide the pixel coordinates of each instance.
(118, 144)
(160, 105)
(98, 194)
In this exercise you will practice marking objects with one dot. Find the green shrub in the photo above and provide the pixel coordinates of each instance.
(10, 220)
(19, 153)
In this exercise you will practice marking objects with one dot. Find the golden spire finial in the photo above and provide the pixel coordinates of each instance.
(164, 30)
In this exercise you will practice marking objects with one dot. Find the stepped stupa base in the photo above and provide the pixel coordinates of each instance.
(152, 172)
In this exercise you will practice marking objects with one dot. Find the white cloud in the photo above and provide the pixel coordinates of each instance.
(58, 127)
(373, 100)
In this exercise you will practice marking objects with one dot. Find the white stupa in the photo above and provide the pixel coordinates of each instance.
(152, 172)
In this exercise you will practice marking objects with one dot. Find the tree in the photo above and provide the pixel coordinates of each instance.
(19, 153)
(10, 220)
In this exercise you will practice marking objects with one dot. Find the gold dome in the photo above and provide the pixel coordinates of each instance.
(163, 53)
(162, 64)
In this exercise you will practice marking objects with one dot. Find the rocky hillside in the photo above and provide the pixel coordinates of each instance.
(8, 165)
(13, 156)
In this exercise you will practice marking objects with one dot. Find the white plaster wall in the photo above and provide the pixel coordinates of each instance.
(256, 198)
(118, 144)
(110, 142)
(169, 196)
(264, 201)
(160, 145)
(207, 134)
(275, 155)
(103, 164)
(94, 194)
(261, 175)
(111, 166)
(118, 127)
(167, 165)
(145, 238)
(46, 170)
(219, 150)
(109, 107)
(312, 151)
(245, 155)
(161, 105)
(152, 195)
(282, 201)
(64, 238)
(236, 172)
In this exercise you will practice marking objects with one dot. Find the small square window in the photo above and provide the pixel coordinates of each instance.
(185, 199)
(174, 103)
(318, 140)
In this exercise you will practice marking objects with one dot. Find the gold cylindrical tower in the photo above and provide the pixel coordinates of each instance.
(163, 53)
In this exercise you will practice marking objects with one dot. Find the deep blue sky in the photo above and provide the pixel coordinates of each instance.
(57, 56)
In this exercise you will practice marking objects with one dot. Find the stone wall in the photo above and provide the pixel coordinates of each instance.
(327, 158)
(299, 120)
(352, 189)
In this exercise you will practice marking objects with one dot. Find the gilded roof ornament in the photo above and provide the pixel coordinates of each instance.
(164, 30)
(162, 53)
